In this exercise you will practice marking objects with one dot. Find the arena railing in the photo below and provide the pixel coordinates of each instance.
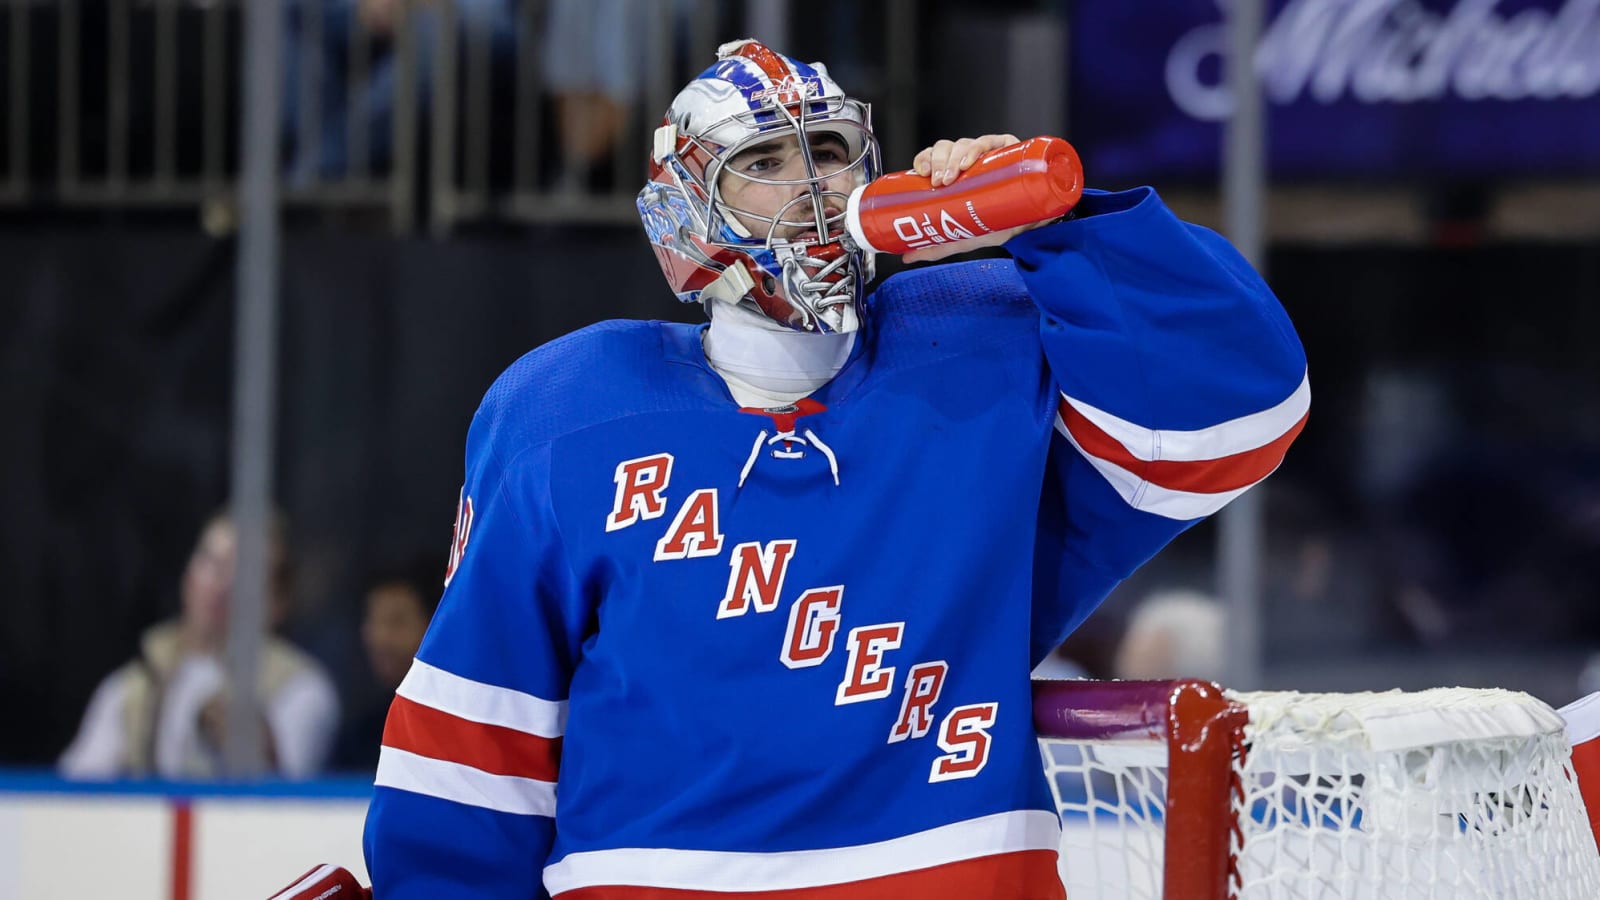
(133, 104)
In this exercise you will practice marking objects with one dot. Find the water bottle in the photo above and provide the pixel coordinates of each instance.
(1033, 181)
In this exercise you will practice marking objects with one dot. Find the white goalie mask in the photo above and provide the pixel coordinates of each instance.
(788, 258)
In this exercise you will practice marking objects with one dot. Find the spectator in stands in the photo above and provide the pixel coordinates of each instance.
(399, 604)
(317, 47)
(592, 56)
(1173, 634)
(162, 713)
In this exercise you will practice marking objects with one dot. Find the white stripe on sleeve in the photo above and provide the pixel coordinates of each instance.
(1153, 498)
(1225, 439)
(486, 703)
(464, 784)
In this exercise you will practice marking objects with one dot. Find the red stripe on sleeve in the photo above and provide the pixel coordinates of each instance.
(495, 749)
(1023, 875)
(1203, 476)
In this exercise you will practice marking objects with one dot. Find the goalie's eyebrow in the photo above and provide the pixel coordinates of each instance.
(777, 144)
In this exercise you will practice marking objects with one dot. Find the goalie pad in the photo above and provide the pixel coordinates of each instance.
(325, 882)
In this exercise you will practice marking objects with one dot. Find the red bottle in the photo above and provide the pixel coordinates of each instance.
(1033, 181)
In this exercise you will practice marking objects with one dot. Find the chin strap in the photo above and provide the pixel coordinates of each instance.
(731, 286)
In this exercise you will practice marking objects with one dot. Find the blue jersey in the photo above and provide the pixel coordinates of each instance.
(688, 649)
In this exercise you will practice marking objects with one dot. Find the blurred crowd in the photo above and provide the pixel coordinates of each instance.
(590, 54)
(163, 712)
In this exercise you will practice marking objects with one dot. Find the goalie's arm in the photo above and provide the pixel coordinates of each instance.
(466, 785)
(1181, 384)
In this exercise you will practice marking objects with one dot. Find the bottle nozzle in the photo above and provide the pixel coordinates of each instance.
(855, 239)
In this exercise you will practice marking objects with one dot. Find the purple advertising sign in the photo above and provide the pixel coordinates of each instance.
(1354, 88)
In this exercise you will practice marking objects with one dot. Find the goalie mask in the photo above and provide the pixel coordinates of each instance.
(749, 179)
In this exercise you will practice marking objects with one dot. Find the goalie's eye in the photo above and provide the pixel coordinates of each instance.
(829, 151)
(761, 164)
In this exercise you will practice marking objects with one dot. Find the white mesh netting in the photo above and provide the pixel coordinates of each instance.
(1461, 794)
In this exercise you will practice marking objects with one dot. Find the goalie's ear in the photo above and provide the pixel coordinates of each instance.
(327, 882)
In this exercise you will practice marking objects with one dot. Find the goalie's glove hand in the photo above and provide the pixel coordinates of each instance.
(325, 882)
(941, 164)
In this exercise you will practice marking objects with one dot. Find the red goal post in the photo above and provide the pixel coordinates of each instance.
(1179, 789)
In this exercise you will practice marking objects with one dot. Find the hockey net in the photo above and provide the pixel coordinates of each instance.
(1182, 791)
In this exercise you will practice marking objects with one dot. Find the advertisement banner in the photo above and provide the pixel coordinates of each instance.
(1354, 88)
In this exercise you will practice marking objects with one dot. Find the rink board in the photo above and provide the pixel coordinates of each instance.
(171, 842)
(66, 842)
